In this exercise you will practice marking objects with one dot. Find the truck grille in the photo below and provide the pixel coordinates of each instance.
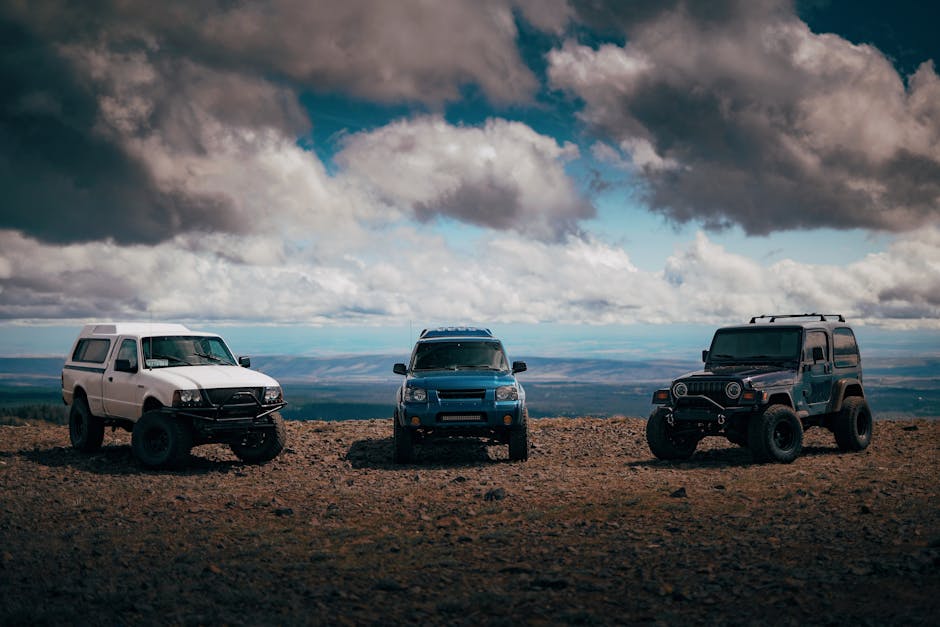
(714, 390)
(218, 396)
(446, 395)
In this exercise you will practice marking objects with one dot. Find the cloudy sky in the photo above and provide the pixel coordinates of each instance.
(375, 163)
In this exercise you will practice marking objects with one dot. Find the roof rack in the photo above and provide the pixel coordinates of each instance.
(456, 332)
(822, 317)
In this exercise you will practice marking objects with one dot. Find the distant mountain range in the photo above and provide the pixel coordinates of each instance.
(362, 386)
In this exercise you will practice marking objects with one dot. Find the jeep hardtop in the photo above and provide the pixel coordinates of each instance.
(762, 385)
(459, 383)
(173, 389)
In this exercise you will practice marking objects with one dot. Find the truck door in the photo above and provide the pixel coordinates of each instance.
(122, 393)
(817, 372)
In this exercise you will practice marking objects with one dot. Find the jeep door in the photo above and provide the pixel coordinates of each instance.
(816, 371)
(121, 386)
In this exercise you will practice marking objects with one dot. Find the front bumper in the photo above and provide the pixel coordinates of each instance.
(461, 416)
(240, 412)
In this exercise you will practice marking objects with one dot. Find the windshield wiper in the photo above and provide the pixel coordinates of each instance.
(213, 358)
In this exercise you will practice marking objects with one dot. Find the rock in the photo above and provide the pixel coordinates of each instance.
(679, 494)
(284, 511)
(495, 494)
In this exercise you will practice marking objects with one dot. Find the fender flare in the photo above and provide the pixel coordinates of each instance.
(839, 389)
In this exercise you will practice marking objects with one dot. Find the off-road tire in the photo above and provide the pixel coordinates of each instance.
(86, 431)
(404, 443)
(258, 447)
(853, 425)
(662, 443)
(776, 435)
(519, 441)
(161, 440)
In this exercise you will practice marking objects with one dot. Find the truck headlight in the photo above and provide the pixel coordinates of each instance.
(272, 395)
(187, 398)
(680, 389)
(507, 393)
(415, 395)
(733, 390)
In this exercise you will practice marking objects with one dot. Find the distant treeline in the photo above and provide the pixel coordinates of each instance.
(21, 414)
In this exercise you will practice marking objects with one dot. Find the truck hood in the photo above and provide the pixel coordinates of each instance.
(461, 379)
(759, 376)
(210, 377)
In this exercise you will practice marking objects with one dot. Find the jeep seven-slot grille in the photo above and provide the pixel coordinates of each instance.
(714, 390)
(446, 395)
(222, 395)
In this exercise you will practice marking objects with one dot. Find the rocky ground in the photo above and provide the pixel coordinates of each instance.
(590, 530)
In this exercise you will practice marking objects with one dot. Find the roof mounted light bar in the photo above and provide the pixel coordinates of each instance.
(456, 332)
(775, 317)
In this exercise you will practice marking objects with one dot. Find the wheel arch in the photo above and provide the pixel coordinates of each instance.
(151, 403)
(780, 398)
(844, 388)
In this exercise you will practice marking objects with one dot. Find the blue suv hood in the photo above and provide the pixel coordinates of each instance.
(460, 379)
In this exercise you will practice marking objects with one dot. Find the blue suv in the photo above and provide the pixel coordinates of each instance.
(459, 384)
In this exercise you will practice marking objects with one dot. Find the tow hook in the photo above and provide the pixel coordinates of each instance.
(671, 420)
(721, 419)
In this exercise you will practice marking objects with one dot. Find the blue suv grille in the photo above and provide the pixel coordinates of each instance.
(460, 394)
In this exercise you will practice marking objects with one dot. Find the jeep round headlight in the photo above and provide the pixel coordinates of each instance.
(416, 395)
(272, 395)
(733, 390)
(680, 389)
(507, 393)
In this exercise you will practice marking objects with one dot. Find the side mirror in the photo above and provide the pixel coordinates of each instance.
(705, 355)
(519, 366)
(124, 365)
(818, 354)
(399, 369)
(244, 362)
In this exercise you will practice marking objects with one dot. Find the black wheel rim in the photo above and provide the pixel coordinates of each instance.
(156, 441)
(783, 435)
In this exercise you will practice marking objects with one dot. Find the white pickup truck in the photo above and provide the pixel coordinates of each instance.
(173, 389)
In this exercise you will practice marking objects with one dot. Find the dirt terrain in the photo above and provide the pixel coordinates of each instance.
(590, 530)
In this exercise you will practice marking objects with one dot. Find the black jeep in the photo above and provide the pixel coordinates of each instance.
(763, 384)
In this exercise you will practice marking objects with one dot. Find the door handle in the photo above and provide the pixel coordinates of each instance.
(111, 379)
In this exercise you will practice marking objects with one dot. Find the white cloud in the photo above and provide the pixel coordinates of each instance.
(402, 273)
(501, 175)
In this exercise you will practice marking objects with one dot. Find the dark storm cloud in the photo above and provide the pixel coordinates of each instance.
(64, 180)
(756, 121)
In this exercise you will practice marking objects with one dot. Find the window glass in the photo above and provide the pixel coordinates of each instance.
(91, 350)
(184, 350)
(845, 349)
(756, 344)
(459, 355)
(814, 339)
(128, 351)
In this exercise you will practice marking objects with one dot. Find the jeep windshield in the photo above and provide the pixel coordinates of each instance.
(462, 355)
(168, 351)
(735, 346)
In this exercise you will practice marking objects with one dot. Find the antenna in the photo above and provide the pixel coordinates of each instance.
(147, 362)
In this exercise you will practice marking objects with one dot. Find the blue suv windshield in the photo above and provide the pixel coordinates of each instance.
(755, 345)
(462, 355)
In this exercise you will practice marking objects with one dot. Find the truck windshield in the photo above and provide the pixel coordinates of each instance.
(465, 355)
(755, 345)
(167, 351)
